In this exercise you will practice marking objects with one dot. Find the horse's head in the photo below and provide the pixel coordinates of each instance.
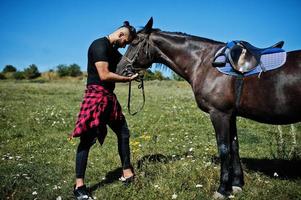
(139, 55)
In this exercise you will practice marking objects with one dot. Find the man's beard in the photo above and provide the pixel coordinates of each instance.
(118, 44)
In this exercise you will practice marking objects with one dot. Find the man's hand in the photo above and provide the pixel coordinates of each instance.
(133, 77)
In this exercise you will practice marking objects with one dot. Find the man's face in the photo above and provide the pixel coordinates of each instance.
(121, 42)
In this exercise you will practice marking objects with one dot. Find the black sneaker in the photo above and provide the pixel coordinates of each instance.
(82, 193)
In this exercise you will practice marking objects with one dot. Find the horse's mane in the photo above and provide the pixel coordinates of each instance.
(192, 37)
(181, 34)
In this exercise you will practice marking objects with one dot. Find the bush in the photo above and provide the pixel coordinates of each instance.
(2, 76)
(157, 75)
(32, 72)
(62, 70)
(9, 68)
(148, 75)
(71, 70)
(19, 75)
(74, 70)
(176, 77)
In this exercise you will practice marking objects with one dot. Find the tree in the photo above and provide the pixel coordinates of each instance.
(19, 75)
(148, 75)
(32, 72)
(2, 76)
(9, 68)
(158, 75)
(176, 77)
(62, 70)
(74, 70)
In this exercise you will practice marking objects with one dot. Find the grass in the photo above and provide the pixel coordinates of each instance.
(172, 142)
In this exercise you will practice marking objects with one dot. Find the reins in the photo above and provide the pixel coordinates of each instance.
(129, 70)
(140, 86)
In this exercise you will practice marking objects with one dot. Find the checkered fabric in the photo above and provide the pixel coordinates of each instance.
(98, 108)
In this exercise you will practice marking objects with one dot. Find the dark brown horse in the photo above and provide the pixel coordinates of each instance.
(274, 98)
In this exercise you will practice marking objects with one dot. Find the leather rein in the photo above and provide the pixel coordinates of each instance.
(130, 70)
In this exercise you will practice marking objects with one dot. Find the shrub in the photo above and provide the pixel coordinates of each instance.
(32, 72)
(62, 70)
(19, 75)
(9, 68)
(2, 76)
(74, 70)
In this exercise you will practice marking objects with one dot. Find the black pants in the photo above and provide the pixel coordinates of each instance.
(88, 139)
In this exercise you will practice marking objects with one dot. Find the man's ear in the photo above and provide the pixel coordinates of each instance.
(121, 34)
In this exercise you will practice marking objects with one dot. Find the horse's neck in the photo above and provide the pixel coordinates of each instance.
(184, 54)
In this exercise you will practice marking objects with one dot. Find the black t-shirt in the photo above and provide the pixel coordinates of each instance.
(102, 50)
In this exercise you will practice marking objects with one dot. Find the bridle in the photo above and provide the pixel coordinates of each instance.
(130, 70)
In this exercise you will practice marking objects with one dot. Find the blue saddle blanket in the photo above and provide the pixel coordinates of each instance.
(271, 58)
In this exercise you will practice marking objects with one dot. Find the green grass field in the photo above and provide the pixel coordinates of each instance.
(172, 141)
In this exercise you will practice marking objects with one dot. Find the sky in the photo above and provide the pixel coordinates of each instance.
(52, 32)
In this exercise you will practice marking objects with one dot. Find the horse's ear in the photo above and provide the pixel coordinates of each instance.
(148, 27)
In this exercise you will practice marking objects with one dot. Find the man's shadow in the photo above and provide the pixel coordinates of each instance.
(114, 175)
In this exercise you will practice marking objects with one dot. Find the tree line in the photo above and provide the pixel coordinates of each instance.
(32, 71)
(73, 70)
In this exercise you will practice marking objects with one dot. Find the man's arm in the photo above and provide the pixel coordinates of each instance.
(105, 75)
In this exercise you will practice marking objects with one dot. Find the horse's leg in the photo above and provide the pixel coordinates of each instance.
(221, 124)
(237, 172)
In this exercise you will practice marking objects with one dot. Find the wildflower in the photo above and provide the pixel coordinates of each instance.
(199, 185)
(34, 193)
(174, 196)
(275, 174)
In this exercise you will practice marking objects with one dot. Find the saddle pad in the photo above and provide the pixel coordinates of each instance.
(272, 59)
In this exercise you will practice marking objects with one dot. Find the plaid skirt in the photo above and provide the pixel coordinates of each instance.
(99, 107)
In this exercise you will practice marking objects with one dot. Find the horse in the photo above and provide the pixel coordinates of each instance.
(272, 98)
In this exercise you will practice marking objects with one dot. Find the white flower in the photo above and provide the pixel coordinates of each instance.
(59, 198)
(275, 174)
(156, 186)
(191, 149)
(174, 196)
(34, 193)
(199, 185)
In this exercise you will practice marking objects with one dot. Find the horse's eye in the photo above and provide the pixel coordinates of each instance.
(135, 42)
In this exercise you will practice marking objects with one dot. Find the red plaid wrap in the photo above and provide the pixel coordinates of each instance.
(98, 108)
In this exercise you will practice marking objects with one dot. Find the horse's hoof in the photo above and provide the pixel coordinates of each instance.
(218, 196)
(236, 189)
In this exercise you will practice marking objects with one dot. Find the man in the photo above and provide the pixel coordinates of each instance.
(100, 106)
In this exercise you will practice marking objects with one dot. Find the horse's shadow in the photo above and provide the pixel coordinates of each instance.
(114, 175)
(277, 168)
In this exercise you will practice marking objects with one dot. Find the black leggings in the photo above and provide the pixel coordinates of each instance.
(88, 139)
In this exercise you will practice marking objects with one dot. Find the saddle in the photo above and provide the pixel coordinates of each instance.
(244, 57)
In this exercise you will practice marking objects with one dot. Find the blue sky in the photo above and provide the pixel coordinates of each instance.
(52, 32)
